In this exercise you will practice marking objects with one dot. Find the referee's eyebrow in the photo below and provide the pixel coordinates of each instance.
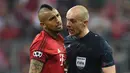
(72, 20)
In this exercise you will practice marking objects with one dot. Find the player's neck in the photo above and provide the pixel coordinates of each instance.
(84, 32)
(52, 34)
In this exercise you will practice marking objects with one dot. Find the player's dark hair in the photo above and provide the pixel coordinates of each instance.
(46, 6)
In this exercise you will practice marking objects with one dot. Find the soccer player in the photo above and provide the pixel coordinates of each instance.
(87, 52)
(47, 52)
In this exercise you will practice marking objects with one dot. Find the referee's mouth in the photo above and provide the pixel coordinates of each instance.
(70, 31)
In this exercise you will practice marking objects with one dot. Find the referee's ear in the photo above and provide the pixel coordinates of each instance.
(85, 22)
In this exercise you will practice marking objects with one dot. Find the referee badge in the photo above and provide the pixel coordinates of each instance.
(80, 62)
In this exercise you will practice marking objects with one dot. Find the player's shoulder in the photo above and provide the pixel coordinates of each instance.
(39, 37)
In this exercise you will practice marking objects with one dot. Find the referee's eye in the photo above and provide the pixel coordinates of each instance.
(72, 20)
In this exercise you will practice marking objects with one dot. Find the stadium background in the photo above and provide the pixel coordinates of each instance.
(19, 25)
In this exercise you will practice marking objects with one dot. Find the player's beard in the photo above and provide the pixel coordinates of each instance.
(52, 31)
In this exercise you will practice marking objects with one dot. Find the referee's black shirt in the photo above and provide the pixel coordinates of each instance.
(88, 54)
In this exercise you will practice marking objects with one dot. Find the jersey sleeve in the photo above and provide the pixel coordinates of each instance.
(106, 55)
(36, 51)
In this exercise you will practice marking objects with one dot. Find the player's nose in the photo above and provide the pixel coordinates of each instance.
(57, 20)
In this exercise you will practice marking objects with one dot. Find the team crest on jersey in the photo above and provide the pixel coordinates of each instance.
(37, 54)
(80, 62)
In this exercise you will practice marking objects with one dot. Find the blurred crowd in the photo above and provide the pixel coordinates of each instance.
(19, 24)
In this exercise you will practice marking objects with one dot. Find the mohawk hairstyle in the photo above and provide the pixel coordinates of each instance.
(46, 6)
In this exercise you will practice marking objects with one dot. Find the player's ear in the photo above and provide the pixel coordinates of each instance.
(41, 23)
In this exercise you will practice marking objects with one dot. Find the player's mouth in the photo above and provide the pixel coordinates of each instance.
(59, 26)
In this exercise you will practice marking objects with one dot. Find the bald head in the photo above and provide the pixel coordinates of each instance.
(79, 12)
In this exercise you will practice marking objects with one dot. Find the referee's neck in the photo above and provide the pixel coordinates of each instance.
(84, 33)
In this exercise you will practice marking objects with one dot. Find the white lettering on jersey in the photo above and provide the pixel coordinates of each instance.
(61, 57)
(59, 51)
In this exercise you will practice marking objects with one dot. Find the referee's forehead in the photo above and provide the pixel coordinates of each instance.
(78, 11)
(71, 14)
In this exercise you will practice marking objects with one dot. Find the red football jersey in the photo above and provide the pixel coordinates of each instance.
(50, 51)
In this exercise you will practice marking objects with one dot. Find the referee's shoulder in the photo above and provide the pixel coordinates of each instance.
(96, 37)
(70, 38)
(102, 43)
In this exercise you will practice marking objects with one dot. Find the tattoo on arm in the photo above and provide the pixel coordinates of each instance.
(35, 66)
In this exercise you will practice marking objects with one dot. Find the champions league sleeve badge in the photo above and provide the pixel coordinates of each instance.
(80, 62)
(37, 54)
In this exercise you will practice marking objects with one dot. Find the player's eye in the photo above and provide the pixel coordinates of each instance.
(50, 19)
(57, 15)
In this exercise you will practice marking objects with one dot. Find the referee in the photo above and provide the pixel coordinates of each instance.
(87, 52)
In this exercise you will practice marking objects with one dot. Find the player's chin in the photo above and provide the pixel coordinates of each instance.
(59, 29)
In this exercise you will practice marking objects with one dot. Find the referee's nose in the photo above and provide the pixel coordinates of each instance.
(68, 24)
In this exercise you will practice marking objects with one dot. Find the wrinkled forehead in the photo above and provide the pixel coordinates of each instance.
(48, 14)
(73, 15)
